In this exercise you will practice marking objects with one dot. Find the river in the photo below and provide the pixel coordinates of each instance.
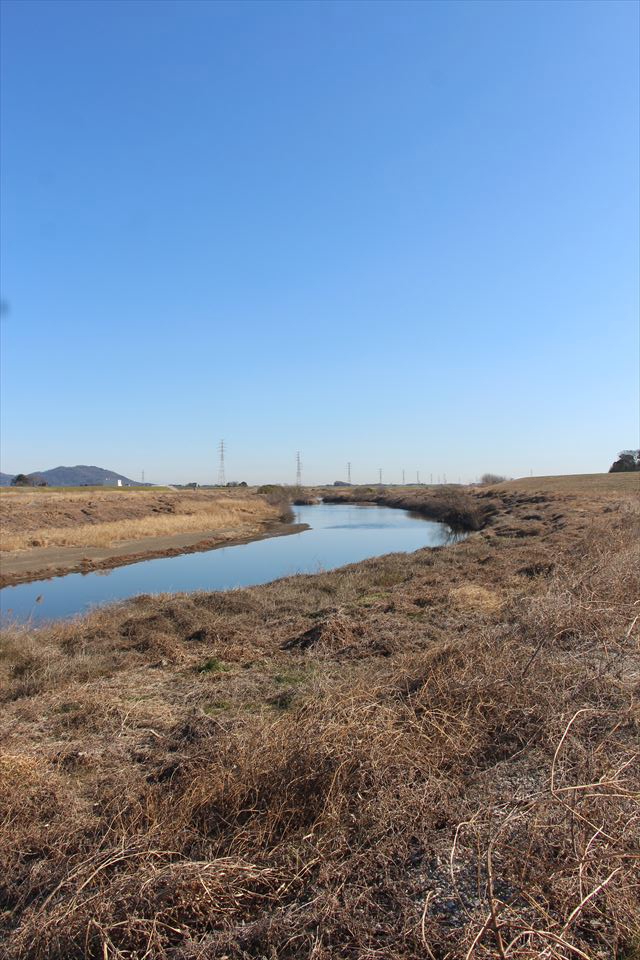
(338, 534)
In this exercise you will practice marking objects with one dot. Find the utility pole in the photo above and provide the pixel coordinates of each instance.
(298, 470)
(349, 472)
(222, 480)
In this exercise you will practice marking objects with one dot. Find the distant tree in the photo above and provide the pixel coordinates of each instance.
(627, 461)
(22, 480)
(191, 486)
(492, 478)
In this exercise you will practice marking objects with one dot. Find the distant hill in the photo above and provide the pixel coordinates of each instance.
(78, 476)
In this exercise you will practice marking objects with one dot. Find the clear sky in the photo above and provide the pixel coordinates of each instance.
(403, 235)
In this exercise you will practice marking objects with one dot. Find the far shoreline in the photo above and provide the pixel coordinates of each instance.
(61, 561)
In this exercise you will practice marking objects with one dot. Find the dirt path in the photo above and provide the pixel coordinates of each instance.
(41, 563)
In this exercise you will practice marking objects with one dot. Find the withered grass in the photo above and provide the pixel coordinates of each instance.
(96, 519)
(423, 756)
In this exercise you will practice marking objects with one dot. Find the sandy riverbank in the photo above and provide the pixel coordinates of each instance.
(45, 562)
(46, 534)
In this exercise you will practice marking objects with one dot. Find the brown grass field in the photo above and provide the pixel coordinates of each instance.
(577, 485)
(41, 518)
(430, 756)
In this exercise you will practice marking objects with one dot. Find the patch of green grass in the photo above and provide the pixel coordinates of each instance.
(215, 706)
(370, 599)
(390, 578)
(632, 952)
(252, 707)
(283, 701)
(292, 677)
(213, 665)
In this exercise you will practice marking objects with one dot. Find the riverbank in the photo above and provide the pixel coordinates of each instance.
(48, 534)
(431, 754)
(46, 562)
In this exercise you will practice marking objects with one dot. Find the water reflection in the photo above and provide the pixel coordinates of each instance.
(339, 534)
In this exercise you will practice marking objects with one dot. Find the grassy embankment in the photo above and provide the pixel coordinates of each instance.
(84, 517)
(423, 756)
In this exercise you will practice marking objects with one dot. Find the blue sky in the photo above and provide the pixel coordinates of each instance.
(400, 234)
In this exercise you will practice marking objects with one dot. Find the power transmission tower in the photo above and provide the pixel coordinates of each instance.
(380, 475)
(143, 476)
(349, 472)
(222, 480)
(403, 478)
(298, 470)
(418, 477)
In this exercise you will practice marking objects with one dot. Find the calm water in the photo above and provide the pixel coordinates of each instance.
(339, 534)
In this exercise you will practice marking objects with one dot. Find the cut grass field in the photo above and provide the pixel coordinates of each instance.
(577, 484)
(420, 756)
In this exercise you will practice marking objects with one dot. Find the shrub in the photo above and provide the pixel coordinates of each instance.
(628, 461)
(22, 480)
(489, 478)
(278, 496)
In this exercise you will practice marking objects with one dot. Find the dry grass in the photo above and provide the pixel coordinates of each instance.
(90, 519)
(450, 504)
(375, 764)
(617, 484)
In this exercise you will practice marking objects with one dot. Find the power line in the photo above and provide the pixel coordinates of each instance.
(222, 480)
